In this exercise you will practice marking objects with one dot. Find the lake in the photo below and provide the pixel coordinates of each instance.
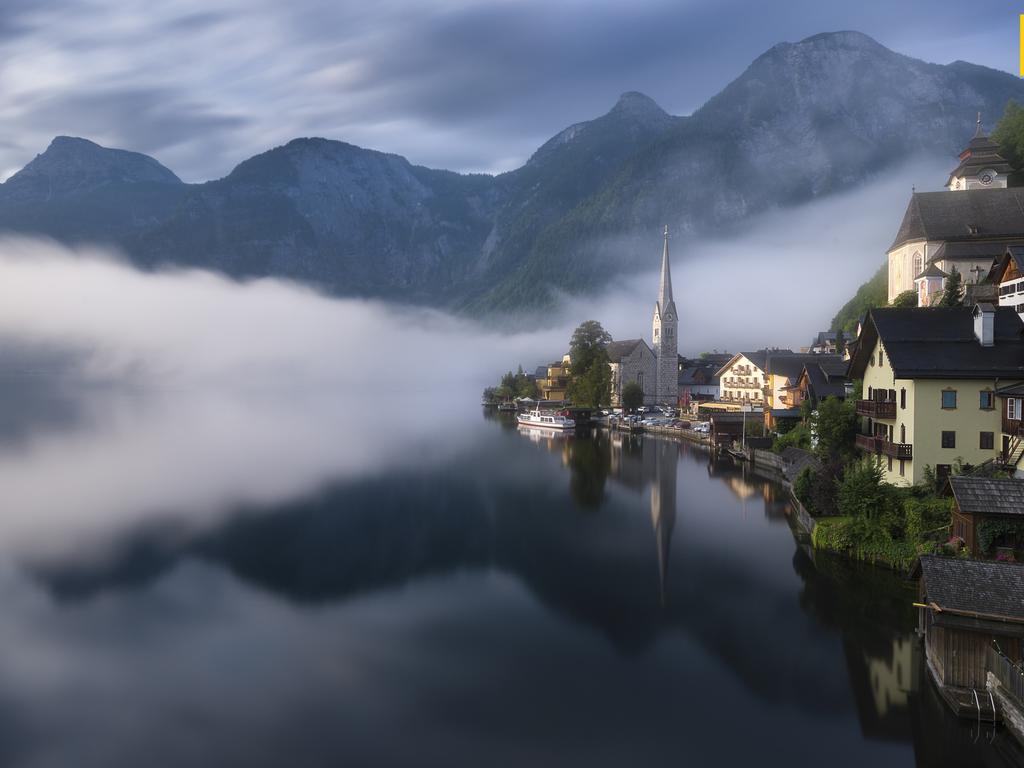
(192, 581)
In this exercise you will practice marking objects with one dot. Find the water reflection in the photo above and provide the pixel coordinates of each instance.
(604, 598)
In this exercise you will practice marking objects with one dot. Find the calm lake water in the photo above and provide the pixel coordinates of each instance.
(468, 595)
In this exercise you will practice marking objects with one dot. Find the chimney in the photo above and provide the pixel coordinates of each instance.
(984, 324)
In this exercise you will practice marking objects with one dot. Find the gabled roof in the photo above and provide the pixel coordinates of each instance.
(983, 589)
(791, 364)
(939, 343)
(1011, 253)
(996, 496)
(698, 374)
(967, 215)
(619, 349)
(931, 271)
(826, 379)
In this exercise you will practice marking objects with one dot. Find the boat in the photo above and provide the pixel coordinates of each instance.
(545, 419)
(507, 407)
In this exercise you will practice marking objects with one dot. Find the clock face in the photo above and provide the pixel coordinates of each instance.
(986, 176)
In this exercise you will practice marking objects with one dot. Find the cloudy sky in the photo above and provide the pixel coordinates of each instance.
(460, 84)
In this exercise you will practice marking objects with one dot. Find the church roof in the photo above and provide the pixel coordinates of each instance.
(619, 349)
(968, 250)
(981, 152)
(969, 215)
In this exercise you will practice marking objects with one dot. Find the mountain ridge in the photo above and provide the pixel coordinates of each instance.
(803, 120)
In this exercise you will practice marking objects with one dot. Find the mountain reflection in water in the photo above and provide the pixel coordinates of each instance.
(528, 599)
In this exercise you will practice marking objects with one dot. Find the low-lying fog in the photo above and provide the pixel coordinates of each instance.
(130, 397)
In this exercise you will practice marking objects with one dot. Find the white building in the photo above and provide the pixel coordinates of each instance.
(965, 227)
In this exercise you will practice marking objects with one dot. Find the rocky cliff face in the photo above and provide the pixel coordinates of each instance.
(805, 119)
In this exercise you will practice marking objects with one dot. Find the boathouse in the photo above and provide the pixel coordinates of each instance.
(970, 612)
(988, 515)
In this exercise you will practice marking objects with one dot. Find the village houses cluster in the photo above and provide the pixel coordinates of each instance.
(939, 387)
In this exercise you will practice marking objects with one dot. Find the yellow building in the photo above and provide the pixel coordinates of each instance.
(554, 385)
(929, 385)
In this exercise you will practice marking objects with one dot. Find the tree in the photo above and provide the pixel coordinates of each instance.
(588, 340)
(905, 299)
(873, 293)
(632, 396)
(954, 291)
(591, 377)
(834, 425)
(1009, 133)
(593, 387)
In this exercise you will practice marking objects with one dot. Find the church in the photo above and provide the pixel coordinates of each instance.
(966, 227)
(655, 369)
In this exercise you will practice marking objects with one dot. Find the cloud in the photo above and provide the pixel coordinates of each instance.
(460, 84)
(193, 395)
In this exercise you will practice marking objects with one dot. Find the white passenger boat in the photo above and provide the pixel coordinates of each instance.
(545, 419)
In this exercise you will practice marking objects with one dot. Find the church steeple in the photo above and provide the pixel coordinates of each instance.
(666, 344)
(665, 288)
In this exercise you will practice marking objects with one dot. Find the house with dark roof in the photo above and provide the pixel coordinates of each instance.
(965, 227)
(820, 379)
(826, 343)
(1007, 277)
(929, 382)
(784, 369)
(698, 383)
(632, 360)
(988, 514)
(972, 618)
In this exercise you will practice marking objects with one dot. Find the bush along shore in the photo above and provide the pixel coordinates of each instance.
(856, 513)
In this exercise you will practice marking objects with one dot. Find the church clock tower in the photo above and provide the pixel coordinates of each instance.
(666, 340)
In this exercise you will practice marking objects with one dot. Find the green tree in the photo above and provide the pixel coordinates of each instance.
(590, 381)
(954, 290)
(873, 293)
(632, 396)
(593, 387)
(589, 340)
(1009, 133)
(834, 425)
(905, 299)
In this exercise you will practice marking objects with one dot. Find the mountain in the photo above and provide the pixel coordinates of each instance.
(77, 190)
(804, 120)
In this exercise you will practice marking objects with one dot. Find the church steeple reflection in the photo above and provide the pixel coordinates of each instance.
(663, 506)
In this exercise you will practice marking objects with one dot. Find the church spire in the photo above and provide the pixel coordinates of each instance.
(665, 288)
(977, 129)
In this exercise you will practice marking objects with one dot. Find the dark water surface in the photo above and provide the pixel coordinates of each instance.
(508, 599)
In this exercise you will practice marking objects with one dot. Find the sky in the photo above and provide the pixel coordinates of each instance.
(460, 84)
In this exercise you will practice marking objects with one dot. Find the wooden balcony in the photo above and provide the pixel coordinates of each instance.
(877, 409)
(882, 446)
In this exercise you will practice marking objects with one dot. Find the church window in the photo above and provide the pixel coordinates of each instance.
(668, 333)
(918, 264)
(640, 379)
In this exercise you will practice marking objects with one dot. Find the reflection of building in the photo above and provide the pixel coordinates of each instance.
(663, 505)
(893, 679)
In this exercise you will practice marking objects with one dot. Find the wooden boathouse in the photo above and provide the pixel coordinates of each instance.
(971, 613)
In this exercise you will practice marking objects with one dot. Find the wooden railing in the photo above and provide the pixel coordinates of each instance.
(1009, 675)
(880, 445)
(877, 409)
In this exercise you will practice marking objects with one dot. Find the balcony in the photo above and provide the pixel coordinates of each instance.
(877, 409)
(882, 446)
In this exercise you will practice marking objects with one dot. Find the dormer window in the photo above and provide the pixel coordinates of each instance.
(972, 229)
